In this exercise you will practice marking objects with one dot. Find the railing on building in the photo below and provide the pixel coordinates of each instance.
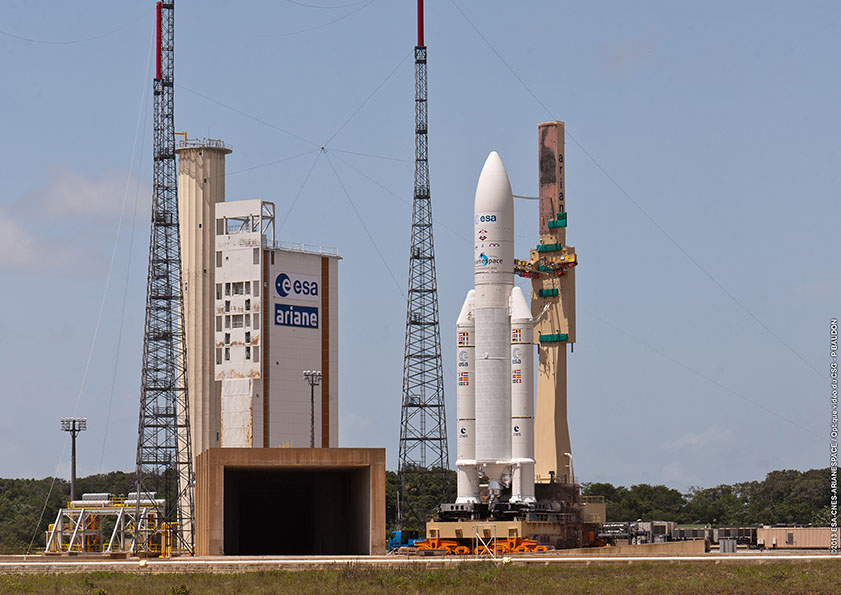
(210, 143)
(301, 247)
(592, 499)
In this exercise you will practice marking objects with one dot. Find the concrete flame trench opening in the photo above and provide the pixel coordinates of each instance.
(290, 501)
(315, 512)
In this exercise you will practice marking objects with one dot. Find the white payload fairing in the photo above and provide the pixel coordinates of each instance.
(495, 355)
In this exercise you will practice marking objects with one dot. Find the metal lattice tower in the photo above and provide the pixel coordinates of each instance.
(164, 460)
(423, 428)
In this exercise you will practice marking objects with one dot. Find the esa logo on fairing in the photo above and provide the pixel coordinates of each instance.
(463, 359)
(484, 219)
(296, 287)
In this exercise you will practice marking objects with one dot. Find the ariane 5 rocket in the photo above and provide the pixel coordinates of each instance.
(495, 356)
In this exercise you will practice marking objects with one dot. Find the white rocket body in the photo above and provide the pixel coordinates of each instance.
(468, 478)
(495, 399)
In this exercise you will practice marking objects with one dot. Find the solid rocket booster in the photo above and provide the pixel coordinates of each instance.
(468, 478)
(495, 358)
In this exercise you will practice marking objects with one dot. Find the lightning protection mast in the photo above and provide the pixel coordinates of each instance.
(423, 428)
(164, 461)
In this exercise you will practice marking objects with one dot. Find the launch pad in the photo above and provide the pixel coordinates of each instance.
(515, 476)
(560, 519)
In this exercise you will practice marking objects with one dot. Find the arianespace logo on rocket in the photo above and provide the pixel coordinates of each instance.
(484, 260)
(292, 286)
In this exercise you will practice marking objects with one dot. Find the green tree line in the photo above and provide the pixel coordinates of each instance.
(783, 497)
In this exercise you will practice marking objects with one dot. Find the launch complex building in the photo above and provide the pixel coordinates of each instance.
(260, 313)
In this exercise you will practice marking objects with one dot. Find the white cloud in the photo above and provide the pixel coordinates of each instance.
(47, 230)
(712, 436)
(67, 192)
(21, 249)
(18, 247)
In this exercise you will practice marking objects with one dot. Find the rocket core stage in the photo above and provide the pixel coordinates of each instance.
(495, 357)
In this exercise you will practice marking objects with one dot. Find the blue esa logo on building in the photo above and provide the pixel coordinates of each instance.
(297, 316)
(296, 287)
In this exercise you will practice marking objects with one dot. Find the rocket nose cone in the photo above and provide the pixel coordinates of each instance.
(493, 161)
(493, 191)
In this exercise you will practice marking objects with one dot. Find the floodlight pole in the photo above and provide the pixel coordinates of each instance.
(73, 467)
(74, 425)
(314, 379)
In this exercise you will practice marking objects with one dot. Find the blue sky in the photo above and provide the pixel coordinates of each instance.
(709, 269)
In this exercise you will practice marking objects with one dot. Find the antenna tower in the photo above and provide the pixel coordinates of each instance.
(423, 428)
(164, 460)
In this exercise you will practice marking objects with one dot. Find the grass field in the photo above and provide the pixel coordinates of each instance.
(820, 576)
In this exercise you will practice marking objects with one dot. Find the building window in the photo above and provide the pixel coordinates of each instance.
(247, 288)
(248, 305)
(256, 353)
(218, 324)
(218, 356)
(272, 256)
(227, 322)
(247, 352)
(256, 289)
(220, 227)
(227, 338)
(247, 321)
(218, 259)
(256, 321)
(237, 321)
(247, 337)
(227, 289)
(227, 354)
(256, 256)
(227, 305)
(218, 291)
(238, 288)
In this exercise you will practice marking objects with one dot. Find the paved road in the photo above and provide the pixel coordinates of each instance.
(38, 564)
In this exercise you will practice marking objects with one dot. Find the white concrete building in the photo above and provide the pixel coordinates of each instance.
(201, 185)
(257, 314)
(276, 316)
